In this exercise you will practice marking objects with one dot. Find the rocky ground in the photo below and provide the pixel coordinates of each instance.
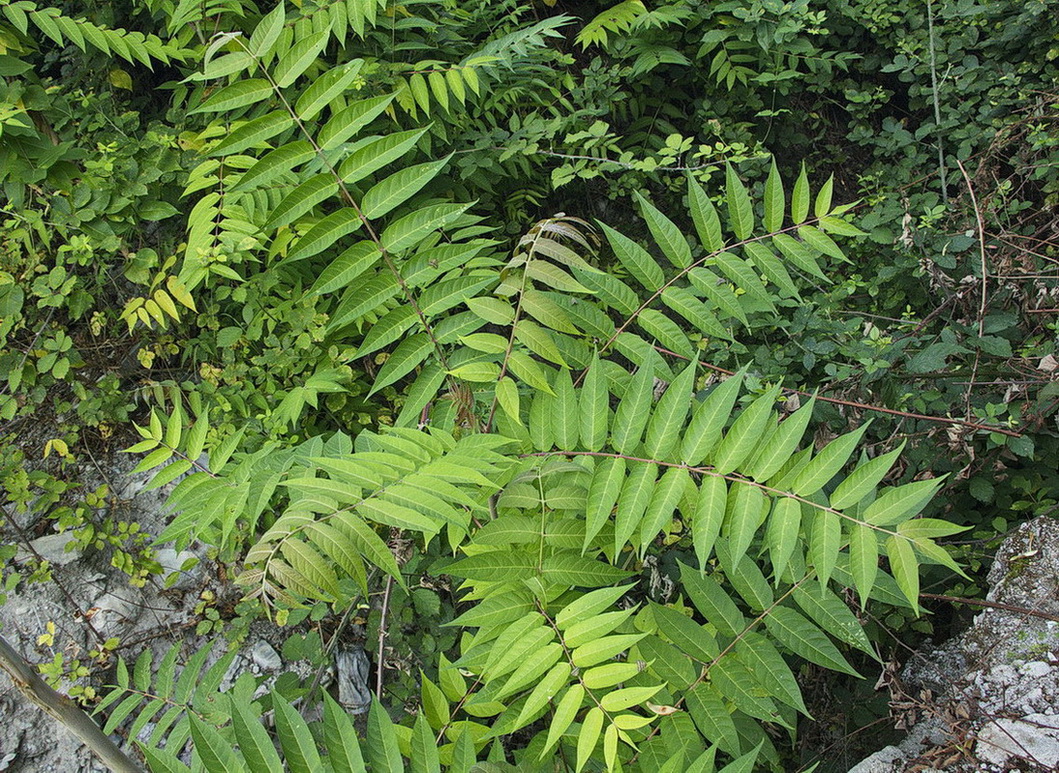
(153, 617)
(988, 700)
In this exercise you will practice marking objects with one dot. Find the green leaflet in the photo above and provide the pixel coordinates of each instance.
(669, 490)
(712, 717)
(565, 421)
(708, 516)
(689, 637)
(823, 198)
(348, 266)
(782, 534)
(805, 639)
(396, 189)
(350, 120)
(297, 60)
(409, 354)
(267, 32)
(711, 601)
(667, 419)
(740, 208)
(413, 228)
(326, 232)
(213, 750)
(383, 752)
(636, 260)
(708, 421)
(363, 299)
(775, 199)
(302, 199)
(633, 412)
(666, 234)
(824, 542)
(275, 164)
(746, 510)
(863, 480)
(299, 749)
(593, 409)
(373, 154)
(704, 215)
(635, 497)
(253, 133)
(801, 255)
(771, 266)
(781, 445)
(901, 502)
(603, 494)
(905, 568)
(826, 464)
(326, 88)
(741, 440)
(829, 612)
(800, 197)
(237, 95)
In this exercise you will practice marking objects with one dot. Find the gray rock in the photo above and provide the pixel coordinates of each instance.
(997, 683)
(52, 548)
(171, 562)
(883, 761)
(265, 657)
(1034, 738)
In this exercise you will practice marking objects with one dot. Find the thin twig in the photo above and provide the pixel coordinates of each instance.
(989, 605)
(380, 665)
(937, 101)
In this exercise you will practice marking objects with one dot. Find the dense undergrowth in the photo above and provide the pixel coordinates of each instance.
(490, 311)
